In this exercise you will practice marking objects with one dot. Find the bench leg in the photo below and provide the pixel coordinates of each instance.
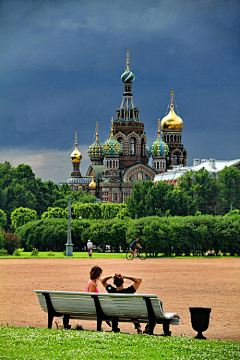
(50, 319)
(99, 324)
(66, 322)
(166, 330)
(151, 327)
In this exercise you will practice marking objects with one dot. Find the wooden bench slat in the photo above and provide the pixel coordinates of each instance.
(125, 307)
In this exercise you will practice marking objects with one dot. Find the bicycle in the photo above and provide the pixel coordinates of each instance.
(140, 253)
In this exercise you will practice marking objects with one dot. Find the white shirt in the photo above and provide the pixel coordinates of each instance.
(89, 245)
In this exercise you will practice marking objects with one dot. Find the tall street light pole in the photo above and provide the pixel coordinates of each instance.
(69, 244)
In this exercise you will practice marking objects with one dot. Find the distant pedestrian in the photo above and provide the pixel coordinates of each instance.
(89, 248)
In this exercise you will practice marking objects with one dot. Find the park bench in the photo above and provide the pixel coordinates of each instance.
(106, 307)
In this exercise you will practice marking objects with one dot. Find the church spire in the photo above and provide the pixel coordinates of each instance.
(127, 60)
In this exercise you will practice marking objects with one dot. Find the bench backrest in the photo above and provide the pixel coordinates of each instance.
(118, 305)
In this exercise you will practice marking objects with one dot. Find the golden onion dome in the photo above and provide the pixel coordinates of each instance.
(92, 185)
(76, 156)
(172, 120)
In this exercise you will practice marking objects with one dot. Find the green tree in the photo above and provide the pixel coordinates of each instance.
(11, 242)
(202, 188)
(56, 212)
(229, 189)
(21, 216)
(3, 218)
(162, 199)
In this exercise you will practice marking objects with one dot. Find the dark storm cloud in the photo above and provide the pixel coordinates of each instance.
(61, 63)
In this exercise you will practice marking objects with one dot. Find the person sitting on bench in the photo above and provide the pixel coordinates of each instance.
(118, 281)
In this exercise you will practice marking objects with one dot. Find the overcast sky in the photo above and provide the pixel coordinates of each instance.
(60, 68)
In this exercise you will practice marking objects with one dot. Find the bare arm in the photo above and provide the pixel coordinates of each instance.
(105, 279)
(139, 246)
(137, 280)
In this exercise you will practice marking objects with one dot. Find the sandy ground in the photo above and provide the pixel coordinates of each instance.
(179, 283)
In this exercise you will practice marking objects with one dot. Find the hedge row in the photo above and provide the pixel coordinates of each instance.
(178, 235)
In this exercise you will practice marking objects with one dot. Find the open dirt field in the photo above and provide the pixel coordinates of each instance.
(179, 283)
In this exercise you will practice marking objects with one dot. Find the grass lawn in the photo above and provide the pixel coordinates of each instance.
(60, 255)
(34, 343)
(84, 255)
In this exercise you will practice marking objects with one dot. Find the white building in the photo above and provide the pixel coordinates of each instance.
(212, 166)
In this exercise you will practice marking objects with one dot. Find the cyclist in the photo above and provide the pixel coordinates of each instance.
(134, 245)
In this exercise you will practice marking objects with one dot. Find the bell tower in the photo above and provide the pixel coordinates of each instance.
(172, 126)
(127, 128)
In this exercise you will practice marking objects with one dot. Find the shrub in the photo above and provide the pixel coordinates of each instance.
(12, 242)
(34, 252)
(50, 253)
(3, 252)
(17, 253)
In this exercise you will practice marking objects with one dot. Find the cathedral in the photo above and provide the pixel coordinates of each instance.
(123, 158)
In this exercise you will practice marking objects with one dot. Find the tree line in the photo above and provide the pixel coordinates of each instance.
(26, 201)
(158, 235)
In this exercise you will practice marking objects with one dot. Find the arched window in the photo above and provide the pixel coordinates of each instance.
(142, 148)
(176, 159)
(110, 163)
(132, 146)
(157, 164)
(175, 138)
(131, 113)
(171, 138)
(113, 163)
(122, 113)
(120, 140)
(168, 160)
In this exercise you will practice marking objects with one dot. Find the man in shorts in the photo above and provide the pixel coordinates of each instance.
(89, 247)
(134, 245)
(118, 282)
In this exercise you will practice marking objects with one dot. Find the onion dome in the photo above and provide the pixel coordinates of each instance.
(76, 156)
(159, 147)
(127, 76)
(148, 154)
(92, 185)
(112, 146)
(95, 151)
(172, 120)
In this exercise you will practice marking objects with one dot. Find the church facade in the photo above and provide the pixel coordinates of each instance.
(123, 159)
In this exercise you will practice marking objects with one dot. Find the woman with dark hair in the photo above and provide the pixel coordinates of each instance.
(91, 286)
(95, 274)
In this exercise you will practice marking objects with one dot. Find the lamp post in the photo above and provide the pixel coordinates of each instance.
(69, 244)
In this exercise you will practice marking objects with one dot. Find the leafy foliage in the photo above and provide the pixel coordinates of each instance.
(55, 212)
(9, 241)
(229, 189)
(162, 199)
(3, 218)
(21, 216)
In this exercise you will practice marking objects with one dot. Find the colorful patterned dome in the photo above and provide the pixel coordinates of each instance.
(148, 154)
(95, 151)
(159, 147)
(127, 76)
(112, 146)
